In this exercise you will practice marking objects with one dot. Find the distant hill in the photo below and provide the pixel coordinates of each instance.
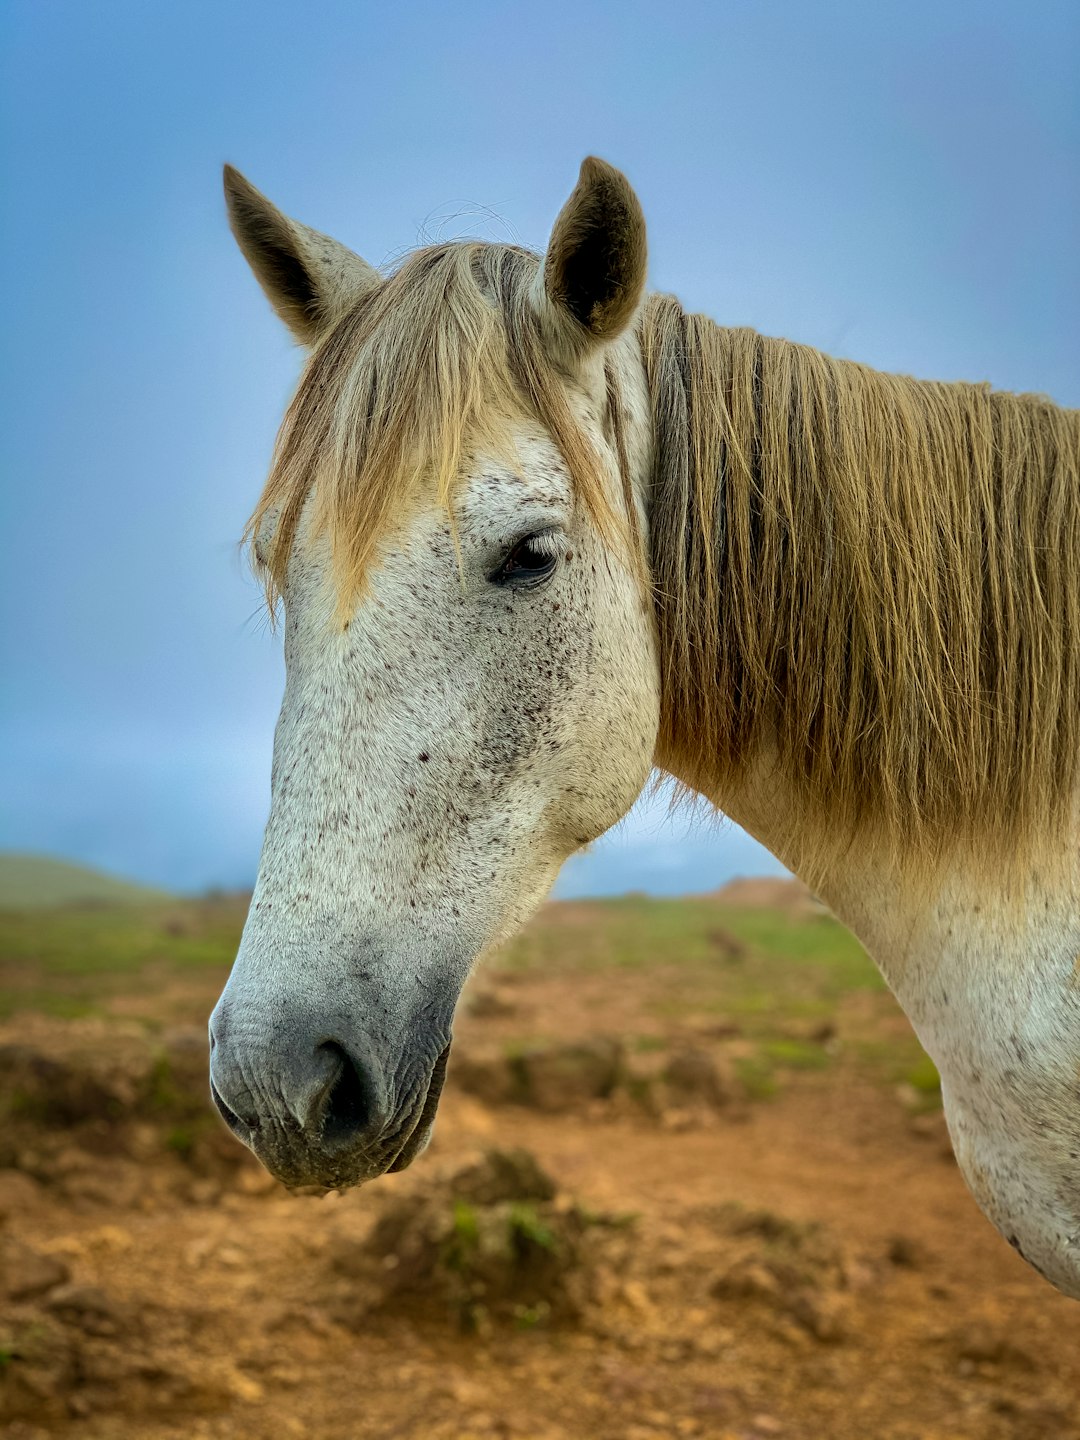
(40, 881)
(768, 892)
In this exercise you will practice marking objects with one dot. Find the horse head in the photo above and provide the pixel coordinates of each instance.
(471, 675)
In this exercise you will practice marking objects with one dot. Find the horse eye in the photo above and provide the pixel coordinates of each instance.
(531, 560)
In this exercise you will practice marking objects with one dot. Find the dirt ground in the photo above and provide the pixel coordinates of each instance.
(621, 1230)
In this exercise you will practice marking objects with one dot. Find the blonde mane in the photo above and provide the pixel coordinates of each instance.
(875, 578)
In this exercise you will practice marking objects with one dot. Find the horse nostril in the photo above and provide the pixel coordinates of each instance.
(347, 1111)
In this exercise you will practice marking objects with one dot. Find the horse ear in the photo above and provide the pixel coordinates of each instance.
(310, 280)
(593, 275)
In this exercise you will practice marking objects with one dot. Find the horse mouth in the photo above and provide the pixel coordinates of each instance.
(421, 1132)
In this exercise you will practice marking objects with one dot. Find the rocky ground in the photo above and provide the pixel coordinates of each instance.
(689, 1179)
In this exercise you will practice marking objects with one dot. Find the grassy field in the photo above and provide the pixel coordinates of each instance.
(75, 959)
(799, 991)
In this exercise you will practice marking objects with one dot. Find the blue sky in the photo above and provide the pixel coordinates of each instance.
(899, 183)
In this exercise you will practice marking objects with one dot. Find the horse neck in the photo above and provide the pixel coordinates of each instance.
(869, 883)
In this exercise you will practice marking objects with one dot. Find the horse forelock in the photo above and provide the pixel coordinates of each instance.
(437, 363)
(875, 580)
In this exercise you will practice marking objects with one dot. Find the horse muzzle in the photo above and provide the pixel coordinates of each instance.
(324, 1107)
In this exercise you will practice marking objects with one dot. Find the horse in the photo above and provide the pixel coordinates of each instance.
(537, 533)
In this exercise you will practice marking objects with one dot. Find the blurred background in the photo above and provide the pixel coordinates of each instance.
(897, 184)
(691, 1175)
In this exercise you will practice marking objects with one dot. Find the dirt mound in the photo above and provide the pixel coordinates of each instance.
(41, 1090)
(65, 1345)
(63, 1076)
(556, 1078)
(73, 1094)
(800, 1272)
(551, 1077)
(679, 1087)
(490, 1243)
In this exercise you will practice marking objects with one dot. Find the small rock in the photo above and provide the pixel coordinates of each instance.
(206, 1191)
(982, 1343)
(489, 1004)
(464, 1391)
(87, 1308)
(502, 1175)
(824, 1313)
(693, 1075)
(487, 1075)
(767, 1425)
(636, 1296)
(256, 1181)
(113, 1239)
(906, 1253)
(26, 1273)
(557, 1078)
(746, 1280)
(676, 1118)
(245, 1388)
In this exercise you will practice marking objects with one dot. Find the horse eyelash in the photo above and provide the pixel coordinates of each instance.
(548, 542)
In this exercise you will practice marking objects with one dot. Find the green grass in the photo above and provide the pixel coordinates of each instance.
(464, 1238)
(796, 1054)
(757, 1077)
(181, 1141)
(924, 1077)
(635, 932)
(527, 1228)
(71, 960)
(899, 1060)
(648, 1044)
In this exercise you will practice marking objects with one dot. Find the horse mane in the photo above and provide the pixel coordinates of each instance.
(871, 580)
(437, 362)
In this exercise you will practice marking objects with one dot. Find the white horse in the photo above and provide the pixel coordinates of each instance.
(537, 533)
